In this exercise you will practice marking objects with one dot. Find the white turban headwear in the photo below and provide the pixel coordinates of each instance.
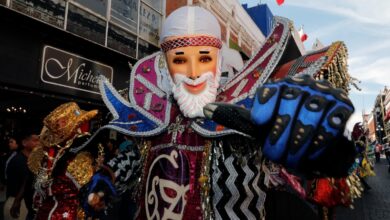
(191, 20)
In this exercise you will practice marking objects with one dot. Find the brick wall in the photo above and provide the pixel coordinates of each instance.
(173, 5)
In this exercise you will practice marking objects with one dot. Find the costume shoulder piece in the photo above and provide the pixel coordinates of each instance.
(277, 58)
(147, 112)
(328, 63)
(241, 88)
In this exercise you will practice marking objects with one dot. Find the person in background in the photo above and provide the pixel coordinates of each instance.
(127, 144)
(387, 153)
(378, 150)
(110, 148)
(19, 181)
(8, 154)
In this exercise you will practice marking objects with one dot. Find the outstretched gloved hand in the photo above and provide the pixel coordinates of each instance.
(300, 123)
(96, 195)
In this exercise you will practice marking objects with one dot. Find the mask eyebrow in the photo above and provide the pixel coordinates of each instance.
(204, 52)
(179, 53)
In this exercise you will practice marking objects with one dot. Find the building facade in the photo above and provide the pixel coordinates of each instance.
(238, 30)
(382, 128)
(53, 51)
(386, 111)
(369, 126)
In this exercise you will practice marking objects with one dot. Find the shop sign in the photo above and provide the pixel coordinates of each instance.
(71, 71)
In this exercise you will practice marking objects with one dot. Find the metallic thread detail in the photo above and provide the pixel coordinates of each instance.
(244, 74)
(179, 147)
(260, 193)
(249, 195)
(216, 189)
(191, 41)
(150, 86)
(240, 87)
(54, 207)
(81, 168)
(73, 180)
(127, 123)
(314, 68)
(276, 50)
(148, 100)
(162, 125)
(232, 188)
(176, 128)
(208, 133)
(205, 181)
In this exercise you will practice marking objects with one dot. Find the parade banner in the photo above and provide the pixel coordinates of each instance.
(64, 69)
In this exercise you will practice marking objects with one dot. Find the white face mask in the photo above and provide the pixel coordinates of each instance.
(191, 105)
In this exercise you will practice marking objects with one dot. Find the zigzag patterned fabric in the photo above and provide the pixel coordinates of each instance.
(125, 167)
(236, 189)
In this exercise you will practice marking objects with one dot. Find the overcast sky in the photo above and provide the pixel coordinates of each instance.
(364, 26)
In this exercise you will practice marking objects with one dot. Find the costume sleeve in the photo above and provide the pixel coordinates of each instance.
(125, 166)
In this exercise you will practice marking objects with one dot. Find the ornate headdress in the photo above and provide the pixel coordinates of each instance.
(62, 123)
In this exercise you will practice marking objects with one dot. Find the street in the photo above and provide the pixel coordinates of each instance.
(375, 203)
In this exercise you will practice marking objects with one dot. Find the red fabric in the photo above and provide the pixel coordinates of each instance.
(294, 182)
(64, 202)
(279, 2)
(84, 127)
(51, 153)
(330, 192)
(387, 117)
(191, 41)
(304, 37)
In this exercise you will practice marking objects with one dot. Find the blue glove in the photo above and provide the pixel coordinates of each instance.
(300, 122)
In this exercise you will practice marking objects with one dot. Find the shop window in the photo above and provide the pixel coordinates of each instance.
(145, 48)
(155, 4)
(97, 6)
(86, 24)
(50, 11)
(125, 13)
(150, 24)
(121, 40)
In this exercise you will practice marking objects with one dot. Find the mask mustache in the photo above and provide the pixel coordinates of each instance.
(181, 78)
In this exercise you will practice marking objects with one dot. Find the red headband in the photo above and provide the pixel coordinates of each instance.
(191, 41)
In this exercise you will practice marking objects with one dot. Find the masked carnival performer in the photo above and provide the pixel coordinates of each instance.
(60, 173)
(190, 167)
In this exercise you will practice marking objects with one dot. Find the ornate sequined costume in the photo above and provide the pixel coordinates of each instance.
(60, 174)
(195, 168)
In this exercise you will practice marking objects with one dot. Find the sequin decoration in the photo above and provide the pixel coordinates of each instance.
(158, 107)
(205, 181)
(139, 90)
(131, 116)
(35, 159)
(146, 69)
(81, 168)
(63, 122)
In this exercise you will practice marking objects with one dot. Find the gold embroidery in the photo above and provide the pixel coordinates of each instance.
(81, 168)
(35, 159)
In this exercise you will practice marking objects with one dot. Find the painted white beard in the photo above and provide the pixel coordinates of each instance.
(191, 105)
